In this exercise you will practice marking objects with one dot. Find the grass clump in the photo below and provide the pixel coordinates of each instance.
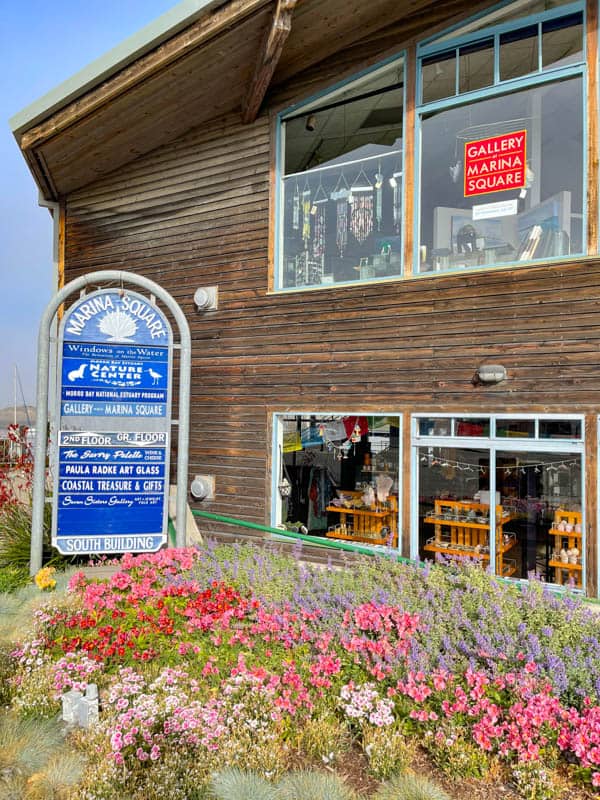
(410, 787)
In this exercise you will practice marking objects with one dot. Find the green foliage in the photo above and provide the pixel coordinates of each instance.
(12, 578)
(35, 764)
(313, 785)
(15, 538)
(534, 781)
(323, 738)
(410, 787)
(458, 757)
(8, 668)
(237, 784)
(388, 750)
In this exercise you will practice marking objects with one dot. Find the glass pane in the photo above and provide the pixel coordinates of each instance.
(343, 192)
(562, 41)
(438, 77)
(522, 197)
(339, 476)
(519, 53)
(560, 429)
(454, 503)
(514, 11)
(541, 528)
(435, 426)
(476, 66)
(515, 428)
(472, 427)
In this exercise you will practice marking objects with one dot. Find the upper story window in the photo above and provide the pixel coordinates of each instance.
(501, 123)
(340, 197)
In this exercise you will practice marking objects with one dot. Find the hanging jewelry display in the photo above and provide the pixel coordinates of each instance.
(340, 194)
(379, 196)
(306, 206)
(318, 209)
(396, 184)
(361, 216)
(296, 208)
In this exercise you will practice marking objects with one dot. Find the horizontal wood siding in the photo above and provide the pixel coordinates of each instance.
(195, 213)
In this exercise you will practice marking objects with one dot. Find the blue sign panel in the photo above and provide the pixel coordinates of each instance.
(111, 476)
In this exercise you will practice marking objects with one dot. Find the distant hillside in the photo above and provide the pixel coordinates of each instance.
(7, 416)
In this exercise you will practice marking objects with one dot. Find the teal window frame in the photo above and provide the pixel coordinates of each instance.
(292, 111)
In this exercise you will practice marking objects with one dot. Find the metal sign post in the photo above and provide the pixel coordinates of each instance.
(113, 420)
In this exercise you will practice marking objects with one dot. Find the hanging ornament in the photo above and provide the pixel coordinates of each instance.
(356, 434)
(341, 226)
(306, 206)
(285, 487)
(296, 208)
(379, 197)
(361, 216)
(397, 202)
(318, 241)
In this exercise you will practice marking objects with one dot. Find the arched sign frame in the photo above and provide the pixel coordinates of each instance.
(95, 405)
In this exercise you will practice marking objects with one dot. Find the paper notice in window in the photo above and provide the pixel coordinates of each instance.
(493, 210)
(496, 164)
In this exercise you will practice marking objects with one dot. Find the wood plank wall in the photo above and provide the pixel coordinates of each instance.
(196, 213)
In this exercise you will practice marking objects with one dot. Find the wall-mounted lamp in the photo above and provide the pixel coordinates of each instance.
(311, 122)
(490, 373)
(206, 298)
(203, 487)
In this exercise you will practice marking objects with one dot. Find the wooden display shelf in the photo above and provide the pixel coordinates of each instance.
(460, 537)
(463, 551)
(565, 534)
(573, 540)
(358, 512)
(352, 537)
(366, 523)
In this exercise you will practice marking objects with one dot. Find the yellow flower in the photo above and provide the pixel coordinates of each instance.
(44, 580)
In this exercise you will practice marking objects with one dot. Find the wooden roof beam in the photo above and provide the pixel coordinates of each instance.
(208, 27)
(268, 58)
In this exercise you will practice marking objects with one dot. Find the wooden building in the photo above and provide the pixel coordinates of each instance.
(398, 203)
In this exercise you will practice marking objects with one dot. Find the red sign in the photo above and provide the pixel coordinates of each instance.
(495, 164)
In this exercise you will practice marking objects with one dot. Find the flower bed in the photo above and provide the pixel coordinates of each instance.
(236, 656)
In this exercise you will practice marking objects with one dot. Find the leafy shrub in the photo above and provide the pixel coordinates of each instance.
(12, 578)
(323, 738)
(388, 751)
(15, 538)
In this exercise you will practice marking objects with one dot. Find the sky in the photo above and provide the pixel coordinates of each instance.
(41, 44)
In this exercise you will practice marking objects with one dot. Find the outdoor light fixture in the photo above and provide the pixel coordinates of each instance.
(206, 297)
(490, 373)
(203, 487)
(311, 122)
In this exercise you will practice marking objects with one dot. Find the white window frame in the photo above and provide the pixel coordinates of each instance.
(494, 444)
(277, 452)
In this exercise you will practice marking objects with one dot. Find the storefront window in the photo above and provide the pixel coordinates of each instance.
(500, 181)
(533, 524)
(540, 495)
(338, 476)
(341, 192)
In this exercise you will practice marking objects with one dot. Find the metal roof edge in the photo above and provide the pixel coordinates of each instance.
(147, 38)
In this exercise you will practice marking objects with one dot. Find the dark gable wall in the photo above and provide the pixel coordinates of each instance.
(195, 213)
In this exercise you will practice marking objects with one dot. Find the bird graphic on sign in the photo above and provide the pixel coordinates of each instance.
(156, 376)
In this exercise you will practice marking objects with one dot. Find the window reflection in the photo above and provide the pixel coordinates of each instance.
(342, 191)
(518, 205)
